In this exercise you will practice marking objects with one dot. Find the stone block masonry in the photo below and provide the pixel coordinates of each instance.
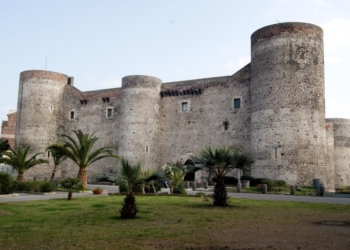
(273, 108)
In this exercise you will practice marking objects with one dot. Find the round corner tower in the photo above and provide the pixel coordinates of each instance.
(341, 153)
(288, 137)
(139, 119)
(39, 113)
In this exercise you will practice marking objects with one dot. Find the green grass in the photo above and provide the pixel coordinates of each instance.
(307, 191)
(162, 222)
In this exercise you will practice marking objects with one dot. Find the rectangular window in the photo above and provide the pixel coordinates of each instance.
(184, 106)
(109, 112)
(237, 103)
(48, 154)
(72, 115)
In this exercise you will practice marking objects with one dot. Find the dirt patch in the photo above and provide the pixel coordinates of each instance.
(4, 213)
(334, 223)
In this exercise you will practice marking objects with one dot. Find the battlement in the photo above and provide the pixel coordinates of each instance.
(42, 74)
(306, 29)
(140, 81)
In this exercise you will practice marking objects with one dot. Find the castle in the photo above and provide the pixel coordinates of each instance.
(273, 108)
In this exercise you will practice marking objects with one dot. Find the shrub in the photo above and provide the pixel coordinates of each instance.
(6, 183)
(47, 186)
(123, 187)
(272, 184)
(157, 186)
(34, 186)
(179, 188)
(269, 183)
(137, 186)
(253, 181)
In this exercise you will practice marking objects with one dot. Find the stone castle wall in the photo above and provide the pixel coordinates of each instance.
(8, 128)
(272, 108)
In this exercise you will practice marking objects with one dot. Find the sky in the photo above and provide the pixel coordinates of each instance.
(100, 42)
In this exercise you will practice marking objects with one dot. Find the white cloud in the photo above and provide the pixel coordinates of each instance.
(336, 34)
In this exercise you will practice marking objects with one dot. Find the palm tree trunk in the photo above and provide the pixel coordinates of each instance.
(220, 193)
(82, 176)
(70, 194)
(53, 173)
(20, 177)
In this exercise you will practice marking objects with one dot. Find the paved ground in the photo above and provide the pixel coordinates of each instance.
(109, 188)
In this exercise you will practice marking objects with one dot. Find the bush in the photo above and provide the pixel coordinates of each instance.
(47, 186)
(123, 187)
(253, 181)
(137, 186)
(6, 183)
(34, 186)
(179, 188)
(274, 185)
(157, 186)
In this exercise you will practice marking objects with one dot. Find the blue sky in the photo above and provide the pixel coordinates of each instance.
(99, 42)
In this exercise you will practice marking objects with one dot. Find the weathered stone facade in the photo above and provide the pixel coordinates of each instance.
(273, 108)
(8, 128)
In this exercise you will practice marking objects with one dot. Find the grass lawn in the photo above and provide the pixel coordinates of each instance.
(309, 191)
(168, 222)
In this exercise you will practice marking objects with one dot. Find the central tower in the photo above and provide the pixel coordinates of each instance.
(139, 111)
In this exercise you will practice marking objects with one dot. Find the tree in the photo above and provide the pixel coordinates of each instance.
(71, 184)
(4, 146)
(57, 159)
(81, 152)
(18, 160)
(220, 162)
(130, 174)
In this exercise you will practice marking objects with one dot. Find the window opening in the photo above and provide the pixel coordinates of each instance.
(184, 106)
(237, 103)
(109, 112)
(275, 152)
(48, 154)
(226, 125)
(146, 148)
(72, 115)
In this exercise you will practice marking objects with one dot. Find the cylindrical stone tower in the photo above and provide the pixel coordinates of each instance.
(139, 119)
(288, 137)
(39, 114)
(341, 156)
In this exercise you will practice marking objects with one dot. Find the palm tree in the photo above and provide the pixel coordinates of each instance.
(130, 174)
(18, 160)
(71, 184)
(81, 152)
(4, 146)
(57, 159)
(220, 162)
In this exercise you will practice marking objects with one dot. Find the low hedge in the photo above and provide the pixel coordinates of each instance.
(6, 183)
(34, 186)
